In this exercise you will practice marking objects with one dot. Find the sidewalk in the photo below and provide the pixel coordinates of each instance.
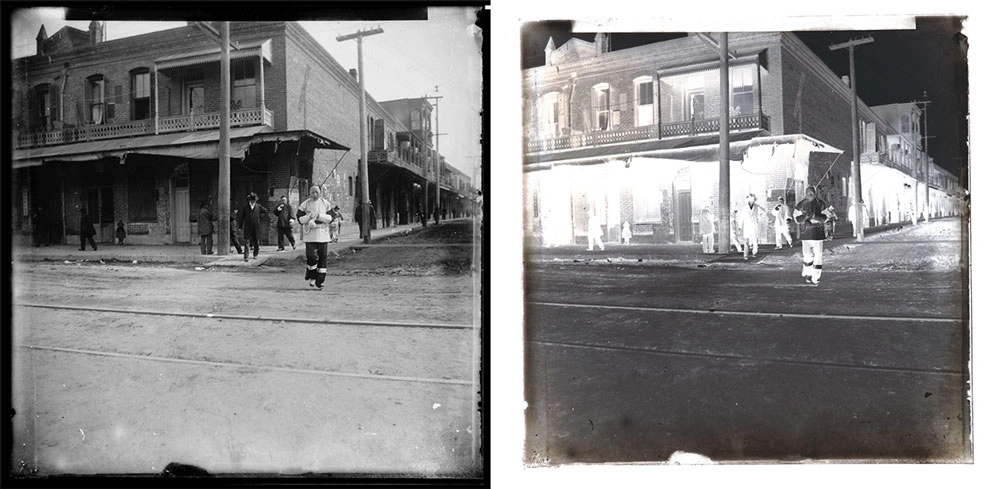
(184, 253)
(685, 253)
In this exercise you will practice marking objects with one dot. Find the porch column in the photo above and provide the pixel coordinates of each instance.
(260, 86)
(156, 100)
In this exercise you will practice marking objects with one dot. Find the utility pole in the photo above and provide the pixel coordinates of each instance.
(927, 163)
(437, 157)
(859, 229)
(224, 146)
(365, 223)
(724, 143)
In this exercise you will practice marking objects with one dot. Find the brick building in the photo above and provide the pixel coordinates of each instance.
(632, 136)
(129, 129)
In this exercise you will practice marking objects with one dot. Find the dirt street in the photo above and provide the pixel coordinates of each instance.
(130, 392)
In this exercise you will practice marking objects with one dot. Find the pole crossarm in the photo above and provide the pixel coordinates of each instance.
(714, 44)
(851, 43)
(212, 32)
(360, 34)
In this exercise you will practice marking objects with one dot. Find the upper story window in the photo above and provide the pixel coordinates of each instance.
(904, 123)
(244, 84)
(95, 99)
(742, 80)
(549, 114)
(140, 94)
(415, 120)
(643, 101)
(43, 103)
(601, 99)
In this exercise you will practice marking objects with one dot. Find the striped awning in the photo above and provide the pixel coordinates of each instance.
(247, 50)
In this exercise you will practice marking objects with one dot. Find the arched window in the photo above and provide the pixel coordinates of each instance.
(601, 101)
(643, 100)
(140, 93)
(94, 94)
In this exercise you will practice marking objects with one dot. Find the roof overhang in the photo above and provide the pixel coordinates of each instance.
(695, 149)
(249, 50)
(192, 145)
(757, 57)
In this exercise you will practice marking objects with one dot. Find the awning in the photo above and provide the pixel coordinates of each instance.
(247, 50)
(194, 145)
(698, 148)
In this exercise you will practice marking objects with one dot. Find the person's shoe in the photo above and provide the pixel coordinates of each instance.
(312, 283)
(777, 248)
(809, 281)
(82, 249)
(319, 287)
(246, 259)
(281, 249)
(293, 246)
(255, 256)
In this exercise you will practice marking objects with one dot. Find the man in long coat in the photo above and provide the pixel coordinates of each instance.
(86, 231)
(249, 219)
(205, 219)
(284, 224)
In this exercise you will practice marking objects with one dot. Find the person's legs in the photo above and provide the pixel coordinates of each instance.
(246, 246)
(311, 263)
(788, 236)
(93, 245)
(817, 262)
(807, 258)
(210, 249)
(321, 264)
(711, 242)
(291, 239)
(83, 242)
(755, 243)
(236, 241)
(281, 239)
(256, 244)
(202, 243)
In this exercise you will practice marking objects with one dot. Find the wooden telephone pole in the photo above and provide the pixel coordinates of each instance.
(365, 223)
(724, 212)
(437, 158)
(859, 228)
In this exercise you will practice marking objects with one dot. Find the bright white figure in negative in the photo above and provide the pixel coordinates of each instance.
(781, 219)
(594, 233)
(626, 232)
(746, 220)
(707, 225)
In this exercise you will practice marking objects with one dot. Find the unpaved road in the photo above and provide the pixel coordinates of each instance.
(111, 392)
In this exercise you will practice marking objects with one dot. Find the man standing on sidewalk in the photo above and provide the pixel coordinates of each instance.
(284, 225)
(747, 220)
(314, 216)
(809, 213)
(249, 219)
(86, 231)
(359, 214)
(594, 232)
(205, 218)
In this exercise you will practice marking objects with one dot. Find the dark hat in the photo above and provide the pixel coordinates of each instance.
(252, 196)
(336, 207)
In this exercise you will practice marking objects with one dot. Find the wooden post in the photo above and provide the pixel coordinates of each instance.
(223, 204)
(724, 197)
(859, 230)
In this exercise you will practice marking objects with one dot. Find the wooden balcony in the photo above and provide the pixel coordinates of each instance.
(645, 133)
(192, 122)
(403, 159)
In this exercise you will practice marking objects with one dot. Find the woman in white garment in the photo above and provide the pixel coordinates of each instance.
(313, 215)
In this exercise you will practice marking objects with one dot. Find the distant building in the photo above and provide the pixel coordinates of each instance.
(129, 129)
(633, 136)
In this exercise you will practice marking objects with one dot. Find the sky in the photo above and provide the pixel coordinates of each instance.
(408, 60)
(898, 67)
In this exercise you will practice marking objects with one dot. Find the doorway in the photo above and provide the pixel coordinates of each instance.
(100, 204)
(685, 231)
(182, 214)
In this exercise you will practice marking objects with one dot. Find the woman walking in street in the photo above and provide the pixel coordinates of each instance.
(313, 215)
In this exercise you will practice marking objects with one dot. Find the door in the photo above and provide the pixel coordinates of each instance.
(684, 216)
(195, 98)
(182, 215)
(100, 204)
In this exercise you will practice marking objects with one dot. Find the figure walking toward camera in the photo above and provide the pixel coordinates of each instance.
(284, 223)
(781, 221)
(120, 233)
(747, 220)
(313, 215)
(249, 218)
(809, 213)
(626, 232)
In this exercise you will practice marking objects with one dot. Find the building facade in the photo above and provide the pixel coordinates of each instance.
(129, 130)
(633, 136)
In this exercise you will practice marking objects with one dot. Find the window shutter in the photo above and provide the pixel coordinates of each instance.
(563, 124)
(870, 137)
(54, 104)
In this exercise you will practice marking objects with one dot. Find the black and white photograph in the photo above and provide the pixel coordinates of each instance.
(746, 247)
(245, 243)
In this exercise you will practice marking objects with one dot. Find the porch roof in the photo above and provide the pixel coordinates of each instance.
(697, 148)
(250, 49)
(193, 145)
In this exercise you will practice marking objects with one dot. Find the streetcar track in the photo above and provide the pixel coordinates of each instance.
(746, 358)
(749, 313)
(330, 373)
(350, 322)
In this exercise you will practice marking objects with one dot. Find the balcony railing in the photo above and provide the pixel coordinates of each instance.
(191, 122)
(661, 131)
(404, 159)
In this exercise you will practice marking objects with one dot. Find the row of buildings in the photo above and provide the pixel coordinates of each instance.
(129, 130)
(633, 135)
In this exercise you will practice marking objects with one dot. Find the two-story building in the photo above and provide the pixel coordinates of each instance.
(129, 129)
(633, 135)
